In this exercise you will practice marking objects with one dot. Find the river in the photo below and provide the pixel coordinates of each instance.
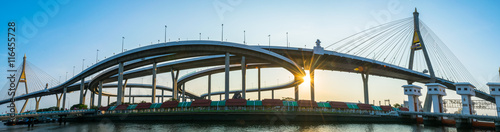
(218, 127)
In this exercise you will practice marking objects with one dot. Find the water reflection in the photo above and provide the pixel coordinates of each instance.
(106, 126)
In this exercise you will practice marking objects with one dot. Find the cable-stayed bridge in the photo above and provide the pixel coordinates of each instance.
(404, 49)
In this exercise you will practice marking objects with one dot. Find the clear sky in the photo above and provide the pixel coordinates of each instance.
(57, 35)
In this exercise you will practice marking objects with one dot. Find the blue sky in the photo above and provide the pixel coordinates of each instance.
(78, 28)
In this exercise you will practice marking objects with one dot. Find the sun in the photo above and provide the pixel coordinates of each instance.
(307, 78)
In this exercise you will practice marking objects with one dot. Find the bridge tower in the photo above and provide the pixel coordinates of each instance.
(413, 92)
(436, 91)
(495, 92)
(22, 79)
(466, 90)
(416, 45)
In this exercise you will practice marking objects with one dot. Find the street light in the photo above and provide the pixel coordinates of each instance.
(222, 36)
(269, 42)
(123, 39)
(97, 56)
(83, 62)
(165, 33)
(287, 39)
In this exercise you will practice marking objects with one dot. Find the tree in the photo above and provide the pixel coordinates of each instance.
(78, 107)
(288, 99)
(94, 107)
(53, 108)
(143, 101)
(397, 105)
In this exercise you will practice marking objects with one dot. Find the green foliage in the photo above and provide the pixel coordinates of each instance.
(78, 107)
(143, 101)
(53, 108)
(94, 107)
(172, 99)
(288, 99)
(397, 105)
(112, 103)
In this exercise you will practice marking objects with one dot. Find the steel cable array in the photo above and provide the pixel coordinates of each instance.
(391, 43)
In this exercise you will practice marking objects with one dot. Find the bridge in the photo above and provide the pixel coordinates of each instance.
(393, 50)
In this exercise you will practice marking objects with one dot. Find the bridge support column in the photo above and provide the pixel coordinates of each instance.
(123, 90)
(272, 94)
(466, 90)
(58, 99)
(24, 106)
(109, 98)
(296, 93)
(243, 77)
(99, 98)
(184, 92)
(175, 75)
(226, 82)
(365, 72)
(209, 86)
(162, 96)
(311, 74)
(91, 99)
(437, 91)
(413, 92)
(129, 94)
(153, 91)
(84, 96)
(38, 102)
(495, 92)
(258, 82)
(64, 98)
(119, 96)
(82, 86)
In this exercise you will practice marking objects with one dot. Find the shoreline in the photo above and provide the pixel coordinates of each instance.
(242, 118)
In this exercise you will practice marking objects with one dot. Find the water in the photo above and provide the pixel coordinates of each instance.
(219, 127)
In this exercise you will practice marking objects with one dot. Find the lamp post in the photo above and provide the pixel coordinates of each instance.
(222, 36)
(165, 33)
(123, 39)
(97, 56)
(287, 39)
(244, 37)
(83, 62)
(269, 42)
